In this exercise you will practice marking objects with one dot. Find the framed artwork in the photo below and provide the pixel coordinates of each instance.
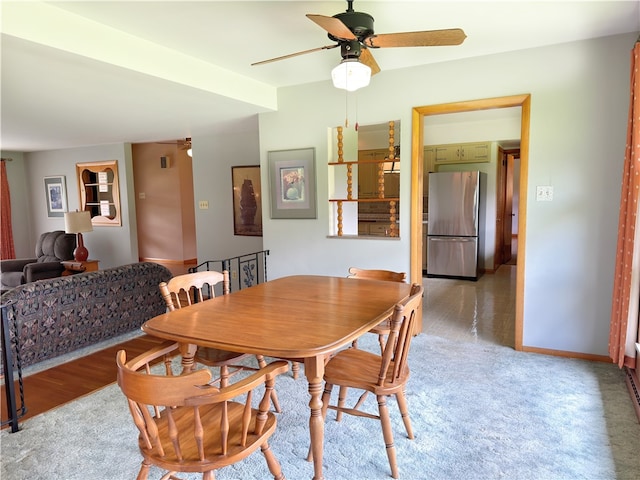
(247, 203)
(293, 183)
(56, 195)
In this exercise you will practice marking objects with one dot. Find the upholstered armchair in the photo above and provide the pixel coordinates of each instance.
(51, 249)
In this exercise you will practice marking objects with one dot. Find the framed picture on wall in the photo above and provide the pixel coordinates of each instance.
(293, 183)
(247, 203)
(56, 195)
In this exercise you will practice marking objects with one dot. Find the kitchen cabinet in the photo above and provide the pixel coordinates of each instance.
(474, 152)
(375, 229)
(429, 166)
(367, 180)
(391, 184)
(369, 174)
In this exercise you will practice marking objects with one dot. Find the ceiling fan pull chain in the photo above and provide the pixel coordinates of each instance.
(346, 109)
(356, 126)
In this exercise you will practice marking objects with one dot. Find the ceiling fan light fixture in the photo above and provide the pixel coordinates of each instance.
(189, 152)
(351, 75)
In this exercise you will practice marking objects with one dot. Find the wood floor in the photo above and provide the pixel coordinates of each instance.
(66, 382)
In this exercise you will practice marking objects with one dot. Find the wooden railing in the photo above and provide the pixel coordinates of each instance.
(244, 271)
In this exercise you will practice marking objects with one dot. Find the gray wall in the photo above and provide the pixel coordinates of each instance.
(111, 245)
(578, 127)
(213, 156)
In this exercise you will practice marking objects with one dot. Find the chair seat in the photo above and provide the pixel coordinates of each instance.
(383, 328)
(210, 415)
(360, 369)
(214, 357)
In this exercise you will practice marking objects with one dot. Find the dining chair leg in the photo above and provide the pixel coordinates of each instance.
(210, 475)
(272, 462)
(274, 396)
(387, 433)
(295, 369)
(342, 396)
(143, 474)
(404, 412)
(381, 341)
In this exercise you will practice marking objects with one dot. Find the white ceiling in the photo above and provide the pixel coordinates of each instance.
(86, 73)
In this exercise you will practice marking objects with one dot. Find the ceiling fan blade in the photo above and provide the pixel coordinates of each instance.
(326, 47)
(429, 38)
(366, 57)
(332, 25)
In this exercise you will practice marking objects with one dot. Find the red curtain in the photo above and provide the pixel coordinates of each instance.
(624, 315)
(7, 249)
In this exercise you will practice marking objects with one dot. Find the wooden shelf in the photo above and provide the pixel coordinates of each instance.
(375, 179)
(356, 162)
(99, 192)
(362, 200)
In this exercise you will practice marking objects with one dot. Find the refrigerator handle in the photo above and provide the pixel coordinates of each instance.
(452, 239)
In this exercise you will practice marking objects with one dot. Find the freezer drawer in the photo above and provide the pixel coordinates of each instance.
(452, 256)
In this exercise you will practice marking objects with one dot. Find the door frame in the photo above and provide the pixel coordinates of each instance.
(417, 171)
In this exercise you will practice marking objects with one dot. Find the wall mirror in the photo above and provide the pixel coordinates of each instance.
(99, 192)
(366, 181)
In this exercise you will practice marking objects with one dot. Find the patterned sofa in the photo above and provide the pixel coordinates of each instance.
(59, 315)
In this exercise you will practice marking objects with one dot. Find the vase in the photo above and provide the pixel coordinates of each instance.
(248, 205)
(292, 193)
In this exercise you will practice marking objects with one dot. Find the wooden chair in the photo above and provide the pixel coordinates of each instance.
(383, 328)
(184, 290)
(188, 425)
(382, 375)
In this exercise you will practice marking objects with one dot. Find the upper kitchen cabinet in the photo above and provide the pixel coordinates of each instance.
(462, 153)
(99, 192)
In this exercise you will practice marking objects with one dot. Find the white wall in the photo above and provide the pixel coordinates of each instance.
(577, 134)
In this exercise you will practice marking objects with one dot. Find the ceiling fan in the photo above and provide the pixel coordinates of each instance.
(183, 144)
(353, 32)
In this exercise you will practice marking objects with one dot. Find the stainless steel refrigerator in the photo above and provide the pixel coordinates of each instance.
(452, 232)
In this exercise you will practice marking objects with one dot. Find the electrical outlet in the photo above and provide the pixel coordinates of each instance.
(544, 193)
(234, 274)
(204, 204)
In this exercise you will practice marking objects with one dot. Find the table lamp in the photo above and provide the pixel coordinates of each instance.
(78, 223)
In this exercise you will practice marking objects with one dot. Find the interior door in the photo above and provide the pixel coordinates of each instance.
(507, 223)
(498, 256)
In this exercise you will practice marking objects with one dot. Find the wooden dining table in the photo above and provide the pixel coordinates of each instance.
(302, 317)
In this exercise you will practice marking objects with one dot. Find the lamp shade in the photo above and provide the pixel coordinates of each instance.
(351, 75)
(77, 222)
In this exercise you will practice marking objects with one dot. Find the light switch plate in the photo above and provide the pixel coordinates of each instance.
(544, 193)
(203, 204)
